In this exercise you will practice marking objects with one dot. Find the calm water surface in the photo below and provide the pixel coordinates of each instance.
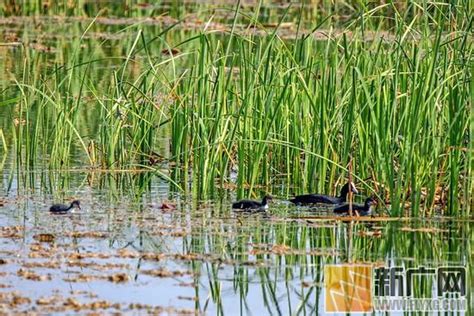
(124, 252)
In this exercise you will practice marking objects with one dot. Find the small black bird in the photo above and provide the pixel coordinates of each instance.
(61, 208)
(252, 205)
(360, 210)
(325, 199)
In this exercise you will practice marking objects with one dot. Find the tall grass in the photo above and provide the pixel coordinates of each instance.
(295, 111)
(393, 94)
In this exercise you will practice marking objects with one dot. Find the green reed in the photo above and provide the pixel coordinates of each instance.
(397, 106)
(394, 95)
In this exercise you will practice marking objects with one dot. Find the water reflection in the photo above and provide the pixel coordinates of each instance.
(123, 252)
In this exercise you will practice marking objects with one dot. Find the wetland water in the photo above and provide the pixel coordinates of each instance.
(122, 252)
(128, 112)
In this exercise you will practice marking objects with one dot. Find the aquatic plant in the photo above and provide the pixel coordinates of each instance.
(281, 110)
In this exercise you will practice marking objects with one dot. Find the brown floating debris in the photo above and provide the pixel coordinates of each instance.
(42, 264)
(254, 263)
(88, 234)
(50, 300)
(190, 256)
(278, 249)
(31, 275)
(168, 206)
(11, 231)
(71, 302)
(82, 278)
(38, 251)
(119, 278)
(159, 310)
(84, 255)
(20, 300)
(125, 253)
(97, 266)
(44, 237)
(164, 273)
(9, 300)
(57, 303)
(153, 256)
(313, 219)
(177, 233)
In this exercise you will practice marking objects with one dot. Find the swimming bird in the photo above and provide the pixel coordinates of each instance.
(325, 199)
(358, 209)
(61, 208)
(252, 205)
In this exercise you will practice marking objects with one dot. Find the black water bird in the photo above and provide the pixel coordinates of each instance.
(325, 199)
(358, 209)
(252, 205)
(62, 208)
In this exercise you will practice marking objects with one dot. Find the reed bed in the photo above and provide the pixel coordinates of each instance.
(257, 111)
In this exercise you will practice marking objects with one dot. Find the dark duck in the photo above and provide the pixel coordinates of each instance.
(325, 199)
(358, 209)
(252, 205)
(62, 208)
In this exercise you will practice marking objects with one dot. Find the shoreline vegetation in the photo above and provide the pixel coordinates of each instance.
(250, 100)
(175, 122)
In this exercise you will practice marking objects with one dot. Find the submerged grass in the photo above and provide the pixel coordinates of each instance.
(274, 114)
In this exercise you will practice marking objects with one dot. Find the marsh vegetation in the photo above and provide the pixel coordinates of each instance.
(128, 106)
